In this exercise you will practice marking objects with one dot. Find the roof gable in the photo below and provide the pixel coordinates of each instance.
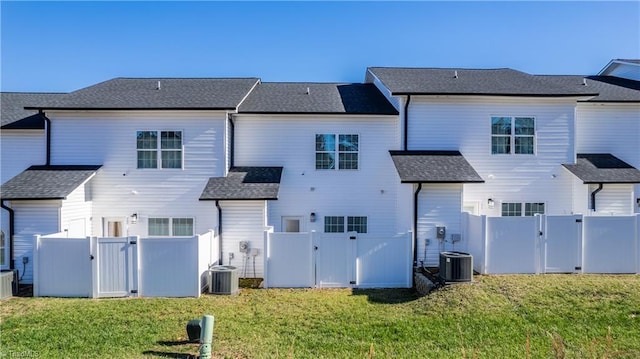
(317, 98)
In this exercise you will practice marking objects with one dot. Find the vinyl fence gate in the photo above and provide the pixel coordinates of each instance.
(115, 266)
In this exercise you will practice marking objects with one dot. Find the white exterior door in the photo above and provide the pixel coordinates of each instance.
(335, 260)
(115, 266)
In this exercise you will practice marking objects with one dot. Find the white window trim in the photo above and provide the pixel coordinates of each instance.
(522, 208)
(337, 152)
(345, 222)
(512, 136)
(158, 151)
(193, 233)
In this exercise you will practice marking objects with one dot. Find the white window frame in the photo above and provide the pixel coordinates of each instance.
(523, 208)
(159, 150)
(512, 136)
(171, 227)
(345, 224)
(337, 152)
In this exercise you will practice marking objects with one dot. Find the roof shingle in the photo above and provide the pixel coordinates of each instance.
(158, 94)
(603, 168)
(13, 114)
(46, 182)
(454, 81)
(609, 88)
(434, 167)
(318, 98)
(244, 183)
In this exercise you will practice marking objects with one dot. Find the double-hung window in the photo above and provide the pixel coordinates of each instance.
(514, 209)
(159, 149)
(337, 151)
(512, 135)
(165, 227)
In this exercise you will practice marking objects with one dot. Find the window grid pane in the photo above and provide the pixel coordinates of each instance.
(524, 126)
(501, 126)
(171, 159)
(348, 143)
(171, 140)
(500, 144)
(357, 224)
(147, 140)
(348, 161)
(325, 161)
(524, 145)
(511, 209)
(158, 226)
(348, 152)
(147, 159)
(333, 224)
(182, 226)
(325, 143)
(531, 209)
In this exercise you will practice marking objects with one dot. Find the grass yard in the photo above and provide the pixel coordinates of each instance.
(515, 316)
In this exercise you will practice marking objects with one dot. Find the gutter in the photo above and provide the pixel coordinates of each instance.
(415, 225)
(219, 232)
(406, 122)
(11, 233)
(232, 132)
(593, 196)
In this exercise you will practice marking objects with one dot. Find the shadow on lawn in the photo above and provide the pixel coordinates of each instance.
(388, 296)
(167, 354)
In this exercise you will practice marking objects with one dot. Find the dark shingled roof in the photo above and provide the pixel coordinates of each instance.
(322, 98)
(244, 183)
(46, 182)
(144, 94)
(603, 168)
(633, 61)
(15, 117)
(610, 88)
(490, 82)
(433, 167)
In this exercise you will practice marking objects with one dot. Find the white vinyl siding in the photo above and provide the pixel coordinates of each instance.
(613, 199)
(20, 149)
(438, 205)
(76, 212)
(31, 218)
(463, 124)
(243, 221)
(610, 128)
(371, 191)
(119, 189)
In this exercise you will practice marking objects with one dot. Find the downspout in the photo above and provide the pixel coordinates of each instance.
(415, 224)
(48, 121)
(232, 132)
(219, 232)
(11, 233)
(406, 122)
(593, 196)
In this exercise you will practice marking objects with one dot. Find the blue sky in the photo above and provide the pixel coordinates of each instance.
(64, 46)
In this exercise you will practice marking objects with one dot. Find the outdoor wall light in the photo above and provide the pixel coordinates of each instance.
(134, 218)
(491, 203)
(312, 217)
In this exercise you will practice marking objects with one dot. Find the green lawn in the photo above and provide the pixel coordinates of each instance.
(516, 316)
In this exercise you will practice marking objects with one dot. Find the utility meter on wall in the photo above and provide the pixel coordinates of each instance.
(441, 232)
(244, 246)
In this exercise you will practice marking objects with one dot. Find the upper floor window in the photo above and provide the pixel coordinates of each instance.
(512, 135)
(177, 227)
(515, 209)
(337, 152)
(159, 149)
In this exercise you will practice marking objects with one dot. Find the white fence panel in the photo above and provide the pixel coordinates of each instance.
(114, 266)
(335, 259)
(610, 244)
(289, 260)
(62, 267)
(512, 245)
(208, 253)
(169, 267)
(384, 262)
(475, 233)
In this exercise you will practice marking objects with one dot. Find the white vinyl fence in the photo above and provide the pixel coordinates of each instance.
(554, 244)
(120, 267)
(337, 260)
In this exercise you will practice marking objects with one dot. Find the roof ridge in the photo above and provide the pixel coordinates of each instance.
(34, 93)
(443, 68)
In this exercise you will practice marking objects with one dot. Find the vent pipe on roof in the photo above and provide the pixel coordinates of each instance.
(584, 82)
(455, 74)
(308, 91)
(159, 85)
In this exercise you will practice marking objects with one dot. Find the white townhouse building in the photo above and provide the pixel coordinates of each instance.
(402, 154)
